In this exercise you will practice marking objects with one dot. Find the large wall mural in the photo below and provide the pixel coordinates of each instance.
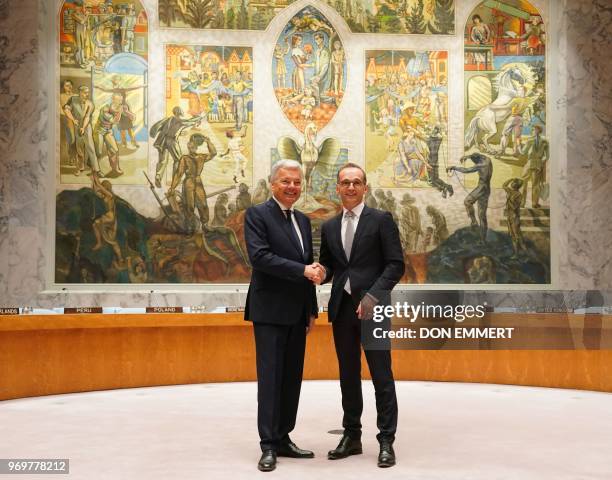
(173, 213)
(398, 16)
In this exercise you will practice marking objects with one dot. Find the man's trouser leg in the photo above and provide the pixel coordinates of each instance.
(280, 363)
(347, 339)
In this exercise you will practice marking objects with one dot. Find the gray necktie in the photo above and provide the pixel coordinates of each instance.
(349, 235)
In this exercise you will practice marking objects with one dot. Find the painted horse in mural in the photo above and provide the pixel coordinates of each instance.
(511, 87)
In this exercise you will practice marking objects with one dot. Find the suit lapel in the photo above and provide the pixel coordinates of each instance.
(338, 234)
(360, 228)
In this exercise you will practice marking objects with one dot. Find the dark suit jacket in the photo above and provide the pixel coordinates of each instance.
(278, 293)
(376, 263)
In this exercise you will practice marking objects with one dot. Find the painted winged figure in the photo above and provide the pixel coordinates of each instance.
(313, 158)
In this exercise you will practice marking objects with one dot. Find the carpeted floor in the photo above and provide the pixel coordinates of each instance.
(446, 431)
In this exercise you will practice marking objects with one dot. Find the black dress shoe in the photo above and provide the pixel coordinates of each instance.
(267, 462)
(347, 446)
(290, 449)
(386, 457)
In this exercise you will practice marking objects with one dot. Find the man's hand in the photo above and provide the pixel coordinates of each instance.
(450, 169)
(322, 272)
(315, 273)
(365, 310)
(310, 324)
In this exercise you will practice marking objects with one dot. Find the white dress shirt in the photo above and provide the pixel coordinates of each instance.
(296, 227)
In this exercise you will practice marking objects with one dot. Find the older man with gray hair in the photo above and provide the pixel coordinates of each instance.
(282, 305)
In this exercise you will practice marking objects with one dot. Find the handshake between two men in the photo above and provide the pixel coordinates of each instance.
(315, 272)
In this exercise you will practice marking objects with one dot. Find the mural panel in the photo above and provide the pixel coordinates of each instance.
(506, 163)
(309, 70)
(219, 14)
(398, 16)
(213, 88)
(406, 141)
(406, 102)
(203, 176)
(103, 91)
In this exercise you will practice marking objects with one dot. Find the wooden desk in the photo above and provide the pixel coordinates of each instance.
(43, 355)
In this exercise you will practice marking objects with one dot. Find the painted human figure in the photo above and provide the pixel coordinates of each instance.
(512, 128)
(513, 186)
(480, 34)
(80, 18)
(102, 34)
(105, 225)
(221, 212)
(410, 223)
(109, 117)
(79, 111)
(411, 159)
(126, 124)
(392, 205)
(338, 58)
(308, 102)
(300, 60)
(239, 91)
(281, 68)
(191, 166)
(67, 125)
(386, 122)
(243, 199)
(534, 36)
(320, 81)
(480, 195)
(440, 229)
(235, 149)
(166, 133)
(128, 24)
(373, 92)
(137, 270)
(537, 152)
(190, 86)
(441, 100)
(433, 143)
(262, 192)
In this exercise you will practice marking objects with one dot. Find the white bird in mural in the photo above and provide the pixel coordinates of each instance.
(309, 155)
